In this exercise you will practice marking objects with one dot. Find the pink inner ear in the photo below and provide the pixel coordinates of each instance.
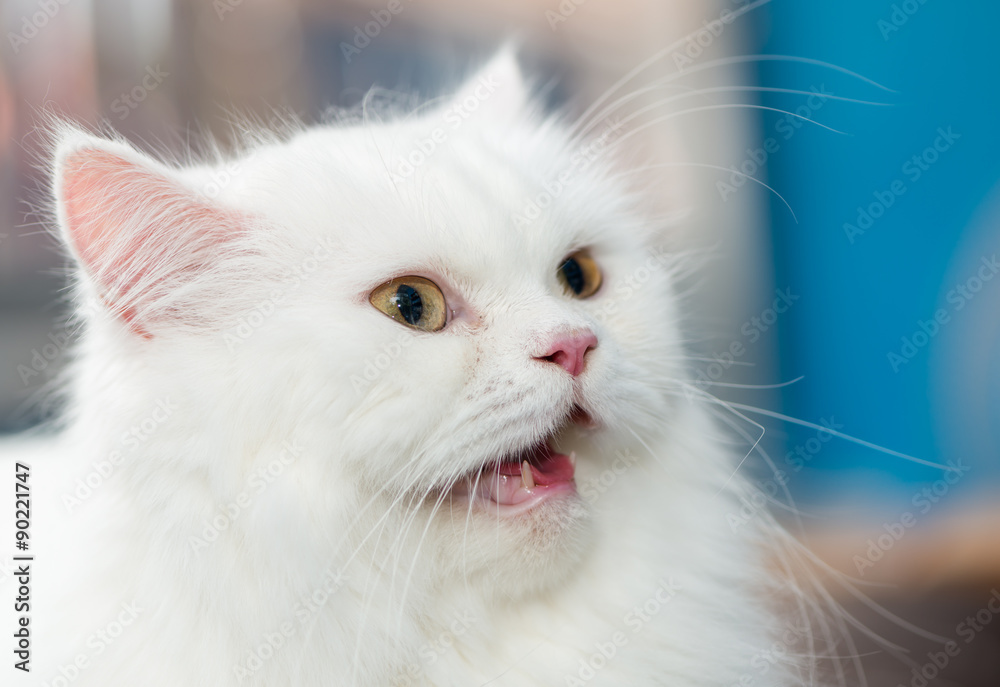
(136, 231)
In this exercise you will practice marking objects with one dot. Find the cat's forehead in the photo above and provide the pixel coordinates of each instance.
(477, 200)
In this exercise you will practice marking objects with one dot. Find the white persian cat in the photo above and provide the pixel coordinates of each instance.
(380, 403)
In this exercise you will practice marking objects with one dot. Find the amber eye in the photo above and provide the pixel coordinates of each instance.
(413, 301)
(580, 275)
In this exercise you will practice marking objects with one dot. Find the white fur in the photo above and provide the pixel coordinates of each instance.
(427, 594)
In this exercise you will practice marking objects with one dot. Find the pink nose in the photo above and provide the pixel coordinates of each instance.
(570, 351)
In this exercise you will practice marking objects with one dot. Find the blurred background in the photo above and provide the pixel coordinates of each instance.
(837, 167)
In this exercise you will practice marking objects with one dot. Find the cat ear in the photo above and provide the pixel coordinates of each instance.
(137, 232)
(498, 89)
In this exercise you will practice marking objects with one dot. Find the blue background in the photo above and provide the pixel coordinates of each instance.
(864, 297)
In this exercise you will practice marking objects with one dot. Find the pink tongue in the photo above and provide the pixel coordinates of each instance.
(503, 483)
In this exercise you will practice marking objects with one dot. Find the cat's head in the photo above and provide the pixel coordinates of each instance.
(438, 307)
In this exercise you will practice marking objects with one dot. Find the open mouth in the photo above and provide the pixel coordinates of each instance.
(519, 482)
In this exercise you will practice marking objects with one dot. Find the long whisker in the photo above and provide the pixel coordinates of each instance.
(604, 114)
(701, 165)
(588, 114)
(840, 435)
(756, 441)
(709, 108)
(656, 57)
(790, 506)
(781, 385)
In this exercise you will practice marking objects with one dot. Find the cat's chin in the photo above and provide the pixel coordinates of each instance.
(519, 521)
(514, 485)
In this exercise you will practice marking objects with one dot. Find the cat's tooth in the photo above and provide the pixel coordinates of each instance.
(572, 458)
(526, 476)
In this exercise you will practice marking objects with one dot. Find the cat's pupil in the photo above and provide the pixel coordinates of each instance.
(411, 307)
(574, 275)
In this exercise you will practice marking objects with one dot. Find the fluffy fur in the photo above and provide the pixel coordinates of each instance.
(251, 485)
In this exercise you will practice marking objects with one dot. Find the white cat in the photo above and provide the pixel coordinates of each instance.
(388, 403)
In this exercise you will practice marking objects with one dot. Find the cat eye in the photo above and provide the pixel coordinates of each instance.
(413, 301)
(580, 275)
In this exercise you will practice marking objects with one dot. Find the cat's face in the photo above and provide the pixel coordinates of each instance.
(455, 337)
